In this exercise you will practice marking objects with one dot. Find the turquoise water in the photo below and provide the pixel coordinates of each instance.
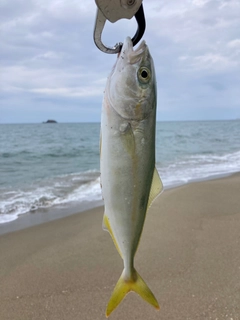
(46, 165)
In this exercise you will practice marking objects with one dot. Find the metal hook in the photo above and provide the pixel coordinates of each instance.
(99, 25)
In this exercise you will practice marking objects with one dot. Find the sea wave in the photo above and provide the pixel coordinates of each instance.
(79, 187)
(85, 186)
(198, 167)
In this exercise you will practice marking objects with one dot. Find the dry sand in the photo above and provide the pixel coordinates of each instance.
(189, 255)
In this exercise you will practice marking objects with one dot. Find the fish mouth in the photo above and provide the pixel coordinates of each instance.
(133, 55)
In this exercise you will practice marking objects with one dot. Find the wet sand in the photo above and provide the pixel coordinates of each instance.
(189, 255)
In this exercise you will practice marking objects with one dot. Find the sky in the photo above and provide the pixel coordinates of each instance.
(50, 67)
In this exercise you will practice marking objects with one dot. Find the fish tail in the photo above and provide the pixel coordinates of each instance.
(123, 287)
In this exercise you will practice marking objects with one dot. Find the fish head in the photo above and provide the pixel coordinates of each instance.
(131, 86)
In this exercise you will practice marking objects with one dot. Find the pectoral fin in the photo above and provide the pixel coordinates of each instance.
(127, 138)
(156, 188)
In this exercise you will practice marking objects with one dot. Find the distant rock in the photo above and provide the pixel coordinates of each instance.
(50, 121)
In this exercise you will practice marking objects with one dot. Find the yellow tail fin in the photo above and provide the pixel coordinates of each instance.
(123, 287)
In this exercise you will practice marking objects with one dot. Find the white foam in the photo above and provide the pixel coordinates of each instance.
(85, 187)
(61, 191)
(23, 202)
(87, 192)
(7, 217)
(199, 167)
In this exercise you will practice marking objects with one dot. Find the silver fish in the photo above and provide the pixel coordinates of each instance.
(129, 179)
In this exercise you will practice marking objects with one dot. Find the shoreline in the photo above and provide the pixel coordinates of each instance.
(40, 216)
(188, 255)
(30, 219)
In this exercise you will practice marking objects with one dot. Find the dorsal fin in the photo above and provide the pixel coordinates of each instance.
(156, 188)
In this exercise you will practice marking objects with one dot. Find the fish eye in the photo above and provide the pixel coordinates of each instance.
(144, 74)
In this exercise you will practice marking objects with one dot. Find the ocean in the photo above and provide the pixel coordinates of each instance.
(44, 166)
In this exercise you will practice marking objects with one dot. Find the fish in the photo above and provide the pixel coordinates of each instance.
(129, 179)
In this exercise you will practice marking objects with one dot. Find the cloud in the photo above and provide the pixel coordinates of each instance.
(235, 45)
(211, 62)
(48, 57)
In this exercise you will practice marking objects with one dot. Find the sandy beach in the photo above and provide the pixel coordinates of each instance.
(189, 255)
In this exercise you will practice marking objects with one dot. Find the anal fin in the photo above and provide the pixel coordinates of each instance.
(107, 227)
